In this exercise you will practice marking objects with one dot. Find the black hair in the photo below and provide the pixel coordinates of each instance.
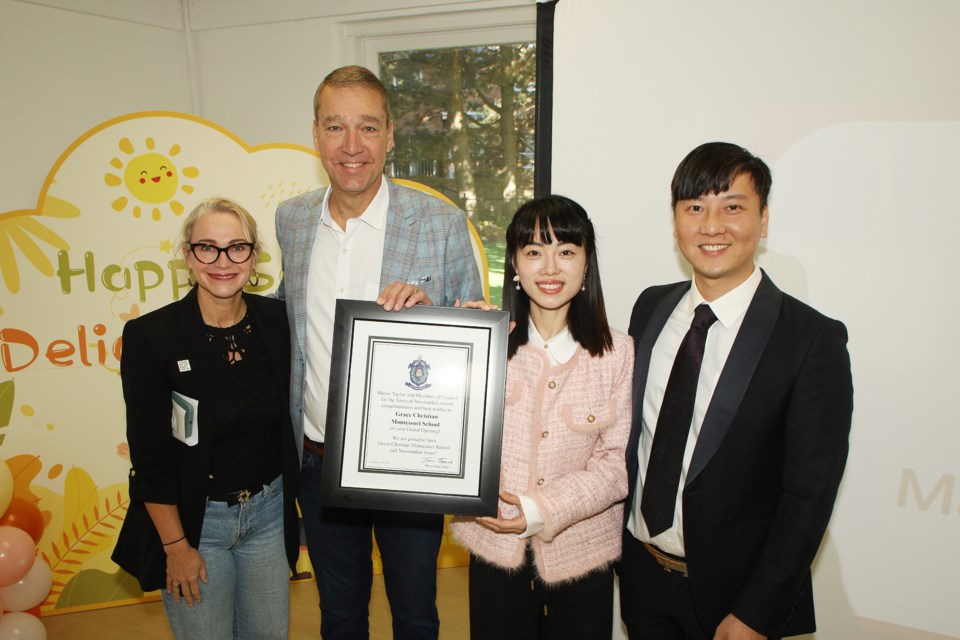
(587, 317)
(711, 167)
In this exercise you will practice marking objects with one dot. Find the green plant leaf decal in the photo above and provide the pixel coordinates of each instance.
(6, 403)
(92, 586)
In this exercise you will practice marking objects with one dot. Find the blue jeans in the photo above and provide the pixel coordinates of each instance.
(340, 544)
(247, 594)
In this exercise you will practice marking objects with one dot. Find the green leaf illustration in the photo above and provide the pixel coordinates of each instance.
(92, 586)
(6, 404)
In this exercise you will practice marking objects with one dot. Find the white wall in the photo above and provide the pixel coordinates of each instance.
(65, 71)
(856, 107)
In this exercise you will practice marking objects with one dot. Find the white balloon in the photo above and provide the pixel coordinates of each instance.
(21, 626)
(28, 591)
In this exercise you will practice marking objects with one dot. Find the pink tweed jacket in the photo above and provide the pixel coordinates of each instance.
(564, 433)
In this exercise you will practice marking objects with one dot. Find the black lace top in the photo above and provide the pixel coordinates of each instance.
(246, 445)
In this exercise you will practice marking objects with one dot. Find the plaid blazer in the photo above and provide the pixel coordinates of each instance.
(426, 241)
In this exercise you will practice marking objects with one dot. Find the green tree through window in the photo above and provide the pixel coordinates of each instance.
(465, 126)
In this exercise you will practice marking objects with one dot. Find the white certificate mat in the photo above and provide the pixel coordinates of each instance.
(416, 425)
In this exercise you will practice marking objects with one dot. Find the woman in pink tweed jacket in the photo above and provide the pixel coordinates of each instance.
(543, 567)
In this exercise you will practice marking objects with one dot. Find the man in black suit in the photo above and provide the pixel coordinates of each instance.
(738, 442)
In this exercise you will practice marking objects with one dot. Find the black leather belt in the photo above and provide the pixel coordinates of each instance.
(668, 561)
(233, 498)
(316, 448)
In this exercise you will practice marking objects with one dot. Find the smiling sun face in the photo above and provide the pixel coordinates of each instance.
(151, 178)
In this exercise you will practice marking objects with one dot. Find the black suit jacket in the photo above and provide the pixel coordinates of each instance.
(165, 470)
(768, 462)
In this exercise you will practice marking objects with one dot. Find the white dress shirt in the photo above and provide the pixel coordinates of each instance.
(559, 349)
(729, 309)
(345, 263)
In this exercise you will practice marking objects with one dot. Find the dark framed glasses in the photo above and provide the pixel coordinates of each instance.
(237, 253)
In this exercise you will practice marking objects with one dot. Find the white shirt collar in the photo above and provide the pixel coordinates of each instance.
(730, 306)
(375, 215)
(560, 348)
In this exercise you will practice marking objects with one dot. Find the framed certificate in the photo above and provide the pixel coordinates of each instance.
(415, 411)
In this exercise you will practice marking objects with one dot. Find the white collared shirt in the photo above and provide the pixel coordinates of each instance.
(345, 263)
(559, 349)
(729, 309)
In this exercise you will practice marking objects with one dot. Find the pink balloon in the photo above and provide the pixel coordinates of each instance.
(21, 626)
(17, 553)
(30, 590)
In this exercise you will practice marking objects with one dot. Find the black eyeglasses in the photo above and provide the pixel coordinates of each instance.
(237, 253)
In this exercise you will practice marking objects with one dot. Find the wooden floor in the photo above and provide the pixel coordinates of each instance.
(147, 621)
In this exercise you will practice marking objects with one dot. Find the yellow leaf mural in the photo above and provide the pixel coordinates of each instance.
(91, 519)
(23, 230)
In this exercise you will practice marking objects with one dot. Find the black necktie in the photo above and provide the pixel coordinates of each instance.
(673, 426)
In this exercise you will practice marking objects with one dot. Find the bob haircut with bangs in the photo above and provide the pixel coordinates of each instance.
(533, 222)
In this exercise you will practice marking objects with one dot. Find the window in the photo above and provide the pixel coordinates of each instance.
(464, 125)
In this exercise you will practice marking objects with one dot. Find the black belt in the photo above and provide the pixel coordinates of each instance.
(233, 498)
(316, 448)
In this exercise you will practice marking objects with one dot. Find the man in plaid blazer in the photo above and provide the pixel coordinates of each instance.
(363, 237)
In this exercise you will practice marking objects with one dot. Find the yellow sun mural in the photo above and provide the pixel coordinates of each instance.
(151, 178)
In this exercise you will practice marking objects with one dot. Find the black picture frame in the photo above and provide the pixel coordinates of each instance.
(400, 440)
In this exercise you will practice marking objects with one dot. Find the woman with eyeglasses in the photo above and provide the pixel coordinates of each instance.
(212, 519)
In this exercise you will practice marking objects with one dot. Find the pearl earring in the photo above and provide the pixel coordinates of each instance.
(517, 280)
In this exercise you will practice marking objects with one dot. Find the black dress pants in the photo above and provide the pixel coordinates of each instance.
(655, 604)
(517, 605)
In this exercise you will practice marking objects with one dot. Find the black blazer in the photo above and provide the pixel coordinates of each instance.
(165, 470)
(768, 461)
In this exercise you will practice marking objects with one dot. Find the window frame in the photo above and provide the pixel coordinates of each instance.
(365, 40)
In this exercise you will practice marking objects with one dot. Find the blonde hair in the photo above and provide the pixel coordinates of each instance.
(221, 205)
